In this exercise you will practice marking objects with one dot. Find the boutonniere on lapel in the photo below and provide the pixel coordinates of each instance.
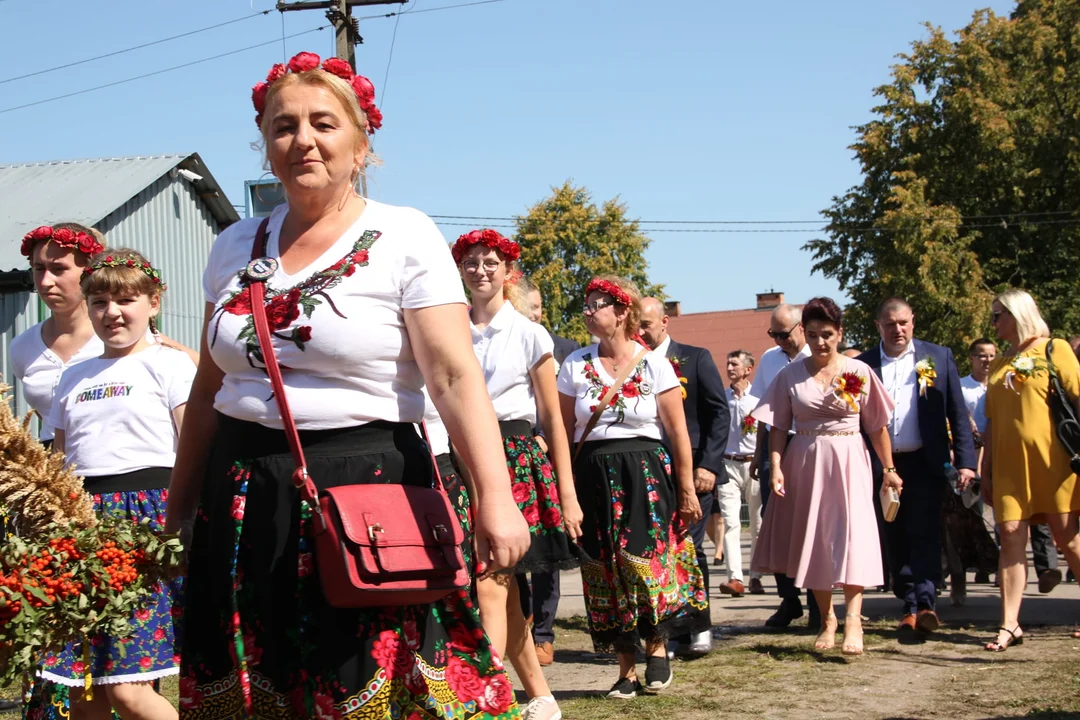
(676, 365)
(848, 387)
(926, 373)
(1020, 369)
(749, 426)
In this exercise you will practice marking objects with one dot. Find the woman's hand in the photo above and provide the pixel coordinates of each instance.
(689, 508)
(891, 479)
(776, 480)
(572, 516)
(501, 533)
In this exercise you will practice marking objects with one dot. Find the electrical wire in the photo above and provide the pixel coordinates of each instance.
(999, 217)
(805, 231)
(159, 72)
(385, 16)
(389, 60)
(136, 47)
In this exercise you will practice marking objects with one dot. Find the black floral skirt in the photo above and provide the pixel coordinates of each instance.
(458, 493)
(643, 581)
(536, 492)
(262, 641)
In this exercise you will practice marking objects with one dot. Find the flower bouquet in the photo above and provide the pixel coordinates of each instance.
(66, 574)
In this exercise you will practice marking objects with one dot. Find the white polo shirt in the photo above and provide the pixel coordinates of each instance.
(901, 382)
(508, 348)
(739, 442)
(975, 399)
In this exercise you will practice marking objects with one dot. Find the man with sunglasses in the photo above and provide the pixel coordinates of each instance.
(785, 329)
(925, 387)
(707, 413)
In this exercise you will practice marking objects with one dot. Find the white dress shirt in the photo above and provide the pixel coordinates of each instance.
(975, 399)
(662, 348)
(739, 443)
(772, 362)
(899, 377)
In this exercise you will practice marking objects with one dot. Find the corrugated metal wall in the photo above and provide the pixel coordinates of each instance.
(169, 224)
(18, 311)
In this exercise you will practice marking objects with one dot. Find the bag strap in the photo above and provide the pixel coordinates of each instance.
(619, 381)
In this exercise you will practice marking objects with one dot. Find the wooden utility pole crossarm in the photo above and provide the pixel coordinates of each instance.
(339, 12)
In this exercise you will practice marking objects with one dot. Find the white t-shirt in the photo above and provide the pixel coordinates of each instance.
(116, 414)
(39, 369)
(508, 348)
(975, 399)
(632, 414)
(437, 435)
(338, 325)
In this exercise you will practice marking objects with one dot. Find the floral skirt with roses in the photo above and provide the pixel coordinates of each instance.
(146, 654)
(643, 582)
(536, 493)
(269, 645)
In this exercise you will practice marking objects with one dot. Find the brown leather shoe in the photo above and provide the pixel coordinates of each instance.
(927, 621)
(545, 653)
(735, 588)
(907, 623)
(756, 588)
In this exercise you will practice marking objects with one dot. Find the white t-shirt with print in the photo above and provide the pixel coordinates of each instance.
(634, 414)
(508, 348)
(338, 325)
(39, 369)
(116, 414)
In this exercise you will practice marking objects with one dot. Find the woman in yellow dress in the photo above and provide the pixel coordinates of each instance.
(1025, 471)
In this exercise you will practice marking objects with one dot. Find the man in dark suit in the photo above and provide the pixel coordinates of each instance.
(707, 418)
(923, 382)
(540, 598)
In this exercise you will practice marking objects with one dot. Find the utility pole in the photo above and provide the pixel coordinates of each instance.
(346, 30)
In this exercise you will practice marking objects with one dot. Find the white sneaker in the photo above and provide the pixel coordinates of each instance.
(543, 707)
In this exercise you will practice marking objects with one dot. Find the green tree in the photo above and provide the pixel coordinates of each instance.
(970, 182)
(566, 240)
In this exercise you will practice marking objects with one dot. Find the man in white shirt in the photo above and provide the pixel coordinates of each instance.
(981, 354)
(742, 441)
(923, 382)
(785, 328)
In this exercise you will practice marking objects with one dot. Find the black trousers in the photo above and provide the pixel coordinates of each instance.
(1043, 549)
(540, 598)
(913, 539)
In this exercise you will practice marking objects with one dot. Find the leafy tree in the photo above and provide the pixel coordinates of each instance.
(566, 240)
(970, 179)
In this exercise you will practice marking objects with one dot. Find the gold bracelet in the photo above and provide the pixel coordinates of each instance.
(889, 470)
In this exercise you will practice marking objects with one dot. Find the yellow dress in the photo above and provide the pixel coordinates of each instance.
(1031, 473)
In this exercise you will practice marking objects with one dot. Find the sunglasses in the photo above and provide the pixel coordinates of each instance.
(596, 306)
(783, 334)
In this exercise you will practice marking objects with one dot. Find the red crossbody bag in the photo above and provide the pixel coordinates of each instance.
(382, 544)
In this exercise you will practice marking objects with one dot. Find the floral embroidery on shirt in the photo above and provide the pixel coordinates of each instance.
(635, 386)
(284, 307)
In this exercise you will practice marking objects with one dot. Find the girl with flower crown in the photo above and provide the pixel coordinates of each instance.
(117, 418)
(516, 357)
(365, 309)
(642, 582)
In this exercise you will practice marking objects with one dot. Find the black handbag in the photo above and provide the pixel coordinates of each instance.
(1063, 412)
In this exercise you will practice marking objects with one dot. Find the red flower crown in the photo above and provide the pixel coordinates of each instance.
(605, 286)
(491, 238)
(129, 261)
(64, 237)
(304, 62)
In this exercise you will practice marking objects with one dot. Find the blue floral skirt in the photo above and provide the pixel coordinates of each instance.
(147, 654)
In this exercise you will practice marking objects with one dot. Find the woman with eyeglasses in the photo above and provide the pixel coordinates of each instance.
(1025, 470)
(642, 580)
(519, 369)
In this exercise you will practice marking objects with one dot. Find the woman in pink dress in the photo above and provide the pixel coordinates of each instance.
(821, 529)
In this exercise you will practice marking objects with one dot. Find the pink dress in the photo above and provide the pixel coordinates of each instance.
(823, 532)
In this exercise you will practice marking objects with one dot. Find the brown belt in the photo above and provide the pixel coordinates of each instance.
(738, 458)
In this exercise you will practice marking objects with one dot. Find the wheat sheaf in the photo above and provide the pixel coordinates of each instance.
(36, 486)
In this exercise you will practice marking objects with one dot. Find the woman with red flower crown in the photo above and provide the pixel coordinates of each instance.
(821, 529)
(516, 357)
(642, 581)
(365, 307)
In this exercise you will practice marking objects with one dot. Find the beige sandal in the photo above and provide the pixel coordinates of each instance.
(851, 647)
(826, 639)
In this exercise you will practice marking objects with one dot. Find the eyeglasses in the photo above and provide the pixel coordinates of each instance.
(783, 334)
(471, 266)
(596, 305)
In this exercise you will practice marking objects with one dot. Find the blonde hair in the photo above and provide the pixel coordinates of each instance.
(1029, 321)
(633, 311)
(337, 87)
(122, 280)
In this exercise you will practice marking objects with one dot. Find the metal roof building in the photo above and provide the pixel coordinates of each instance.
(168, 207)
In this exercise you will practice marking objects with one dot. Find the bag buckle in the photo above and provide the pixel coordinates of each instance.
(439, 532)
(372, 529)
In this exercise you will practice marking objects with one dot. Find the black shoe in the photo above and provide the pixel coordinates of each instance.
(658, 675)
(625, 689)
(1069, 576)
(789, 610)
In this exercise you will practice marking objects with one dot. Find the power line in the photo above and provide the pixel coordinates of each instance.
(805, 231)
(159, 72)
(136, 47)
(999, 217)
(389, 60)
(385, 16)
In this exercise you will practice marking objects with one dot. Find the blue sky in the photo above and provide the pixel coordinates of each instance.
(686, 111)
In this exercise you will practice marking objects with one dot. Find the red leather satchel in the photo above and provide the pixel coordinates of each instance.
(375, 545)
